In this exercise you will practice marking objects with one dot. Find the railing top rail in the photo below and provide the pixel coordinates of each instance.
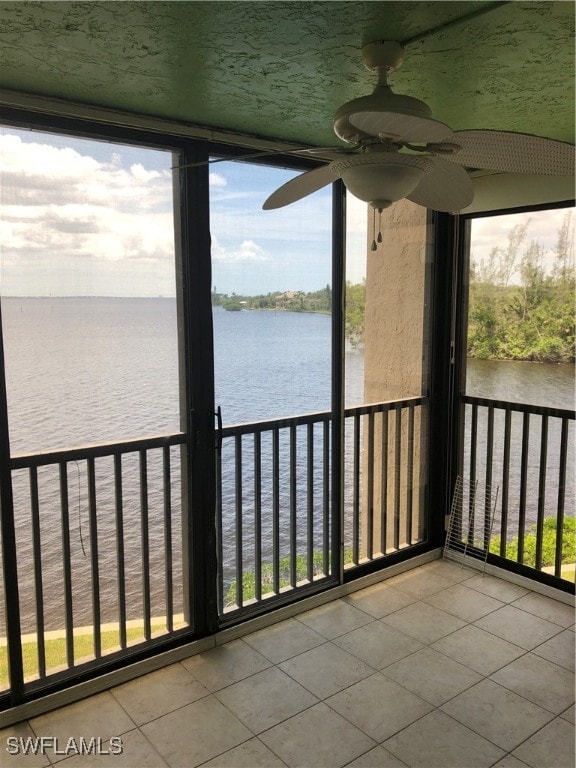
(266, 425)
(99, 450)
(387, 405)
(25, 460)
(539, 410)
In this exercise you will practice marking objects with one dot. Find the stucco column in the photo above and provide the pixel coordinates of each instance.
(395, 367)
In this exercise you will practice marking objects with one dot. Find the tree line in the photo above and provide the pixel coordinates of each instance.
(292, 301)
(301, 301)
(518, 308)
(521, 300)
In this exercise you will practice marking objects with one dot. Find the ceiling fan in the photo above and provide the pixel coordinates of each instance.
(400, 151)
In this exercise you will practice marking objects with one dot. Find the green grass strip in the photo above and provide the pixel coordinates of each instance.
(55, 649)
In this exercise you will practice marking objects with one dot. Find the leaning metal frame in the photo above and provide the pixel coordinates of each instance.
(459, 544)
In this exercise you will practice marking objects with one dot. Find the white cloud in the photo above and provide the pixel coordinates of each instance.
(492, 232)
(141, 174)
(247, 251)
(65, 209)
(36, 174)
(216, 179)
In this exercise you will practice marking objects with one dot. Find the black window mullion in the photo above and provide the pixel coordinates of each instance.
(9, 551)
(338, 346)
(199, 523)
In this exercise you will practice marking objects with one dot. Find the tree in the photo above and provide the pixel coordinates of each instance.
(355, 309)
(564, 267)
(502, 263)
(517, 309)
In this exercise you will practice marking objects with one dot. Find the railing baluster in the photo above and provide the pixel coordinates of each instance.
(370, 490)
(145, 543)
(219, 524)
(37, 559)
(169, 587)
(66, 562)
(257, 516)
(384, 485)
(94, 562)
(276, 510)
(120, 556)
(561, 499)
(472, 477)
(293, 506)
(326, 500)
(505, 481)
(541, 490)
(488, 491)
(356, 493)
(523, 485)
(410, 476)
(310, 504)
(370, 500)
(397, 468)
(238, 519)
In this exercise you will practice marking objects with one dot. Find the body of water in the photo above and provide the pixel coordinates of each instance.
(546, 384)
(87, 370)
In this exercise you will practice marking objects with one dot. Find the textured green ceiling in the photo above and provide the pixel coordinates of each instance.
(281, 69)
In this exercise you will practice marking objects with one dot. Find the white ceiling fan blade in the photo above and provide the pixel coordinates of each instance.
(447, 187)
(300, 187)
(513, 153)
(410, 128)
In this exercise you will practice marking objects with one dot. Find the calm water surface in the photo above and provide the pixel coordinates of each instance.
(547, 384)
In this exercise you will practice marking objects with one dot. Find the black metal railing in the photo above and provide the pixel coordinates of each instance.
(273, 483)
(98, 547)
(516, 469)
(99, 529)
(383, 472)
(275, 502)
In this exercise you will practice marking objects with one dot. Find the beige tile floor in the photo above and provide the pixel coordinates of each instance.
(438, 666)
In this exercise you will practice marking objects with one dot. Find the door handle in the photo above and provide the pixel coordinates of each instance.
(219, 429)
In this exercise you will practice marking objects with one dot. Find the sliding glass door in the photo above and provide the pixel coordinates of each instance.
(98, 402)
(272, 307)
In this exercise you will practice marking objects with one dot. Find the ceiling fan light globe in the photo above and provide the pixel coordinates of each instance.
(382, 178)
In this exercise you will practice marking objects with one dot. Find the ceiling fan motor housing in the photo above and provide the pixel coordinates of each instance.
(382, 99)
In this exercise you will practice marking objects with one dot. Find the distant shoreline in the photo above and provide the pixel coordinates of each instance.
(276, 309)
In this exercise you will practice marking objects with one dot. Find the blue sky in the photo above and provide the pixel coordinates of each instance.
(255, 251)
(83, 217)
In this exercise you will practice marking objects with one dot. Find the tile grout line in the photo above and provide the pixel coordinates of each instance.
(425, 645)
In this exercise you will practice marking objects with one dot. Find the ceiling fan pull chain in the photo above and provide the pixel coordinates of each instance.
(379, 238)
(373, 247)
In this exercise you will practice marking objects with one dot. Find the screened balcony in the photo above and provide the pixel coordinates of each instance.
(234, 443)
(117, 552)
